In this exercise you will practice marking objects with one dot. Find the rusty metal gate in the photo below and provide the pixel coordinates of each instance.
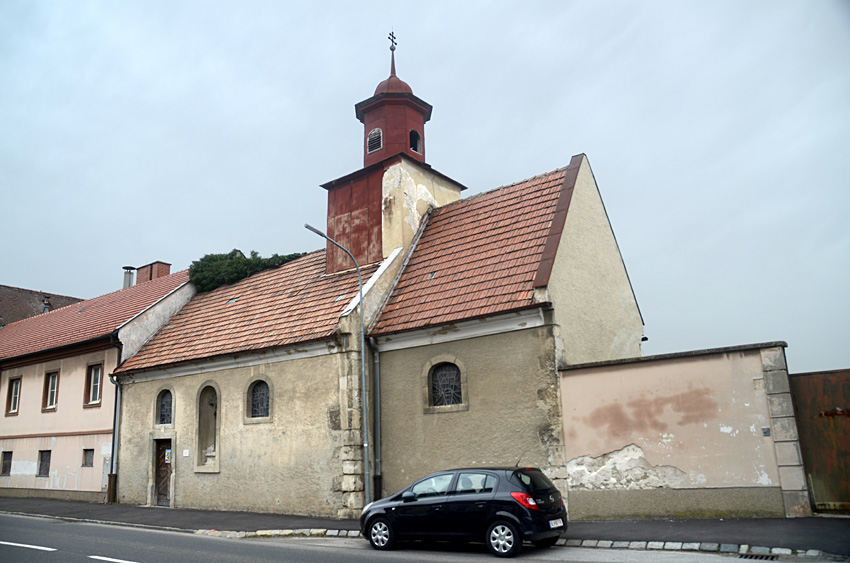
(822, 405)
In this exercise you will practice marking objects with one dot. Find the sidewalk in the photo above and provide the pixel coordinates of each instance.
(809, 537)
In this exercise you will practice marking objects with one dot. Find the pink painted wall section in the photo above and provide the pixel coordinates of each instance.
(683, 422)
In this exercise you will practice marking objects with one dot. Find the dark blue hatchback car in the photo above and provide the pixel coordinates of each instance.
(500, 506)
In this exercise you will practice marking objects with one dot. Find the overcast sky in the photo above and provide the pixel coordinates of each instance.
(718, 132)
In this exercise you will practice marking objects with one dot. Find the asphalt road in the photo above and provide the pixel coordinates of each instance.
(38, 540)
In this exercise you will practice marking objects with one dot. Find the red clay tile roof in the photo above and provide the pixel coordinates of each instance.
(86, 320)
(294, 303)
(476, 257)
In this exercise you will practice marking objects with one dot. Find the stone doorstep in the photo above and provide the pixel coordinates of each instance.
(710, 547)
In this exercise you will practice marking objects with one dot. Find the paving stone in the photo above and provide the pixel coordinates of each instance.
(690, 546)
(620, 545)
(318, 531)
(655, 545)
(332, 533)
(744, 548)
(562, 541)
(287, 533)
(728, 548)
(605, 544)
(353, 533)
(675, 545)
(760, 550)
(781, 551)
(813, 553)
(637, 545)
(573, 543)
(589, 543)
(709, 546)
(303, 531)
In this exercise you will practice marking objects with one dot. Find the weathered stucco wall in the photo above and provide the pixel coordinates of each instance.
(304, 459)
(408, 191)
(512, 408)
(596, 314)
(681, 436)
(66, 430)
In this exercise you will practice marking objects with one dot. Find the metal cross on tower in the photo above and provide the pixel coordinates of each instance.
(391, 37)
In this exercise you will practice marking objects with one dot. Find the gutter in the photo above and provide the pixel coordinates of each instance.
(376, 382)
(112, 488)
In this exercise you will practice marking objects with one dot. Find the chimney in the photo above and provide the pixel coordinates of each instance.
(128, 276)
(152, 271)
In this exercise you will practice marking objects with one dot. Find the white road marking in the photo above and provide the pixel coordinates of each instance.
(99, 558)
(27, 546)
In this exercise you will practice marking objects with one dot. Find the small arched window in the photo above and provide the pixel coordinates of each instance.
(164, 408)
(415, 141)
(259, 397)
(374, 140)
(445, 385)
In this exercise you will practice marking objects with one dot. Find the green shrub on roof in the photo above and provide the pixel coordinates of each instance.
(215, 270)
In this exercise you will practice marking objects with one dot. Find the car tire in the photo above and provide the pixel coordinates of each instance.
(548, 542)
(502, 539)
(380, 534)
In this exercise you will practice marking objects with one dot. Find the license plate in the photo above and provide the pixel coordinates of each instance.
(556, 523)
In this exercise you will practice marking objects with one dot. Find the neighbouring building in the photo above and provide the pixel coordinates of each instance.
(56, 434)
(250, 398)
(17, 304)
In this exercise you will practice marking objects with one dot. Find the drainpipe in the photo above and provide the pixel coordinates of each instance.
(376, 358)
(112, 491)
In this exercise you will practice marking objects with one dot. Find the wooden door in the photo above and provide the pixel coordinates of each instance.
(162, 476)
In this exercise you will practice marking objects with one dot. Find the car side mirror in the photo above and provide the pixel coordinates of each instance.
(407, 496)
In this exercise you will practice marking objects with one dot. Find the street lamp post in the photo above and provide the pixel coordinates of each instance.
(363, 393)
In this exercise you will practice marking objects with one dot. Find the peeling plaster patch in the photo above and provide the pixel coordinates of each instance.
(697, 478)
(622, 469)
(729, 430)
(763, 479)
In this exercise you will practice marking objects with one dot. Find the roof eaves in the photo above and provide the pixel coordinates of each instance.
(152, 305)
(422, 226)
(556, 229)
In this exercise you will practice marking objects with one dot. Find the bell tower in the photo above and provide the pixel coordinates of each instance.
(378, 209)
(393, 119)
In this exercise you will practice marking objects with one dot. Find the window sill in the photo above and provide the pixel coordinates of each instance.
(257, 420)
(12, 413)
(48, 409)
(447, 408)
(92, 405)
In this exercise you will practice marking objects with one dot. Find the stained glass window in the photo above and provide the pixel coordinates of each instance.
(445, 385)
(165, 407)
(260, 399)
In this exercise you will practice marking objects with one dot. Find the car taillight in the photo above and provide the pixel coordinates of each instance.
(525, 500)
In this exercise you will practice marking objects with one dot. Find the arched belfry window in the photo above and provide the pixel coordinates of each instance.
(259, 397)
(374, 140)
(415, 141)
(445, 385)
(164, 408)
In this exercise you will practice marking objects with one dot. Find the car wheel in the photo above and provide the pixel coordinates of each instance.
(381, 534)
(502, 539)
(548, 542)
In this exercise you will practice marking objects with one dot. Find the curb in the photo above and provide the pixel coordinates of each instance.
(703, 547)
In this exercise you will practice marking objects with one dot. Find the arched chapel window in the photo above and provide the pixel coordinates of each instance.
(374, 140)
(259, 397)
(444, 385)
(164, 408)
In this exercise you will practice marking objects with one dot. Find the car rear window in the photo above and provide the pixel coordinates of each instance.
(533, 480)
